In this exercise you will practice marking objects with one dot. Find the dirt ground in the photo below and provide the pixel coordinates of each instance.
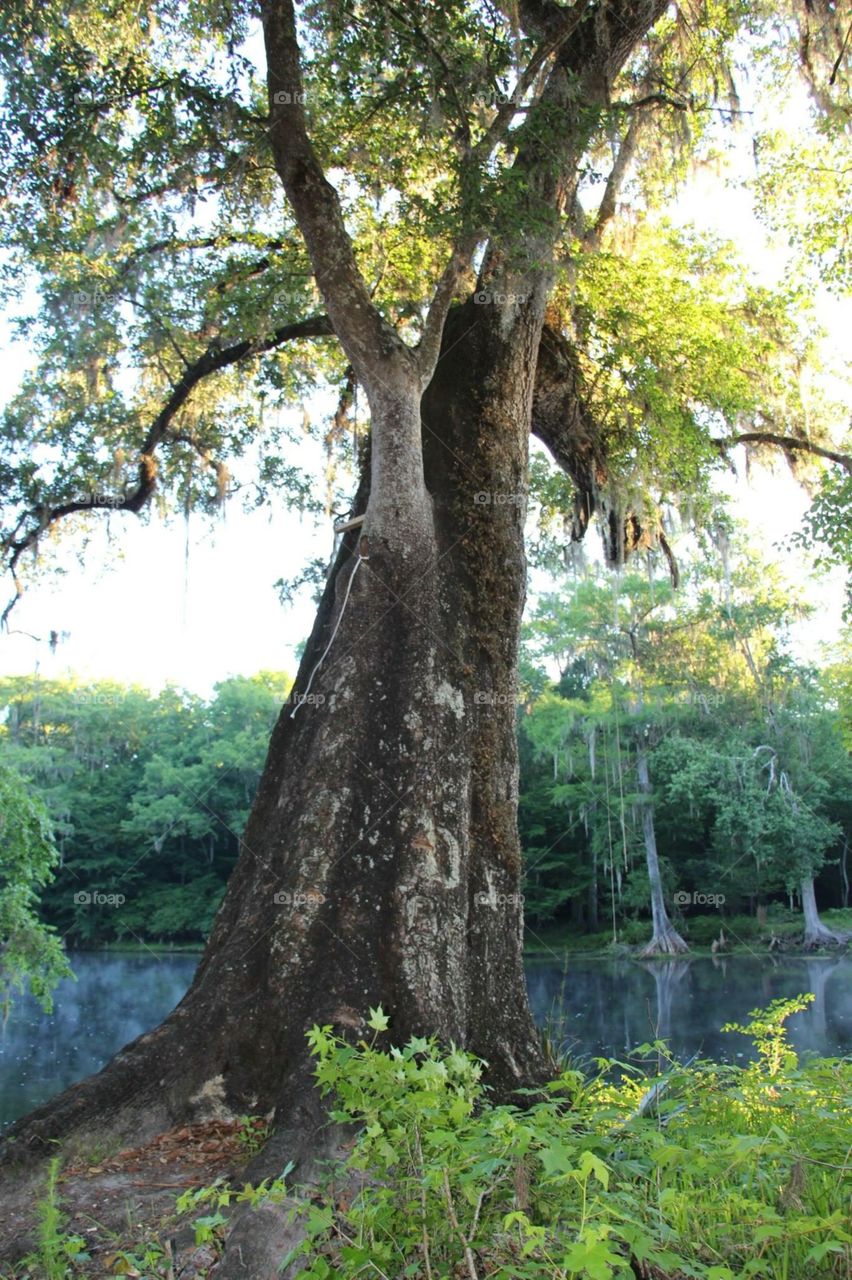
(127, 1201)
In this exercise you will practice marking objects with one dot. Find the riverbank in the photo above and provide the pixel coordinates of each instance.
(744, 935)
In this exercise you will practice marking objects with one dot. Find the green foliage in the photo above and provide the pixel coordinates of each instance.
(148, 796)
(211, 1226)
(705, 1171)
(751, 772)
(146, 235)
(58, 1254)
(769, 1034)
(30, 951)
(828, 526)
(680, 345)
(731, 1174)
(252, 1134)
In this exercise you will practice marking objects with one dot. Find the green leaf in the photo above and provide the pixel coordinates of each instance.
(378, 1020)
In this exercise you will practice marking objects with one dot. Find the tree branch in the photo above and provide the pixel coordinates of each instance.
(169, 244)
(372, 345)
(560, 26)
(409, 21)
(626, 21)
(615, 181)
(563, 423)
(213, 360)
(429, 347)
(787, 443)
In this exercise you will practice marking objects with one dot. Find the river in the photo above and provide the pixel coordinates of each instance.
(595, 1006)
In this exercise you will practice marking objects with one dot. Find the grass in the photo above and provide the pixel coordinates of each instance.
(707, 1173)
(58, 1253)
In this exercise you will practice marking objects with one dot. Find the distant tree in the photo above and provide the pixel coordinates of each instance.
(147, 794)
(609, 625)
(751, 776)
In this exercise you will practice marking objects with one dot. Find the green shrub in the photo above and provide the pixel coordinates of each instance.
(726, 1173)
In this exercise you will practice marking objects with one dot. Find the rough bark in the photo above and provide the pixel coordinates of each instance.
(665, 940)
(381, 862)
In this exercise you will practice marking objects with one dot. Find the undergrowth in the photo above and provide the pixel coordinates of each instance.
(706, 1172)
(718, 1172)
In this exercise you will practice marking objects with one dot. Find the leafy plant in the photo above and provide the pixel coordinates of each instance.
(29, 950)
(252, 1134)
(58, 1253)
(219, 1196)
(721, 1179)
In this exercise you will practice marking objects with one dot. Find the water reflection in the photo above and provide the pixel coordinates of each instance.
(606, 1007)
(598, 1007)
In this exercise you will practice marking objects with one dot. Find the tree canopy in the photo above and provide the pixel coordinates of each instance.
(154, 267)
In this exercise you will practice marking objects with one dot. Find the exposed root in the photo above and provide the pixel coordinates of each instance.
(669, 943)
(821, 936)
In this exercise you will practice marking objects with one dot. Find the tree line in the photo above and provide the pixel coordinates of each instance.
(147, 795)
(676, 763)
(682, 760)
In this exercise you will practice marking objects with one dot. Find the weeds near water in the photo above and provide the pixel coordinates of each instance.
(733, 1173)
(703, 1172)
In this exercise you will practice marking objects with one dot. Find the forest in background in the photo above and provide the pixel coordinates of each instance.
(637, 703)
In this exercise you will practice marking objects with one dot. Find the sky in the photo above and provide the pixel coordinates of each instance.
(152, 603)
(156, 603)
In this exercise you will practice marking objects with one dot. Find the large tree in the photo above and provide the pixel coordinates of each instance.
(380, 863)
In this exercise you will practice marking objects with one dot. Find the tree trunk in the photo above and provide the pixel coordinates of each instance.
(844, 873)
(816, 933)
(666, 940)
(380, 863)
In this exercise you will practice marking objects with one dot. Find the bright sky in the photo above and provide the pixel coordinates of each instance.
(136, 612)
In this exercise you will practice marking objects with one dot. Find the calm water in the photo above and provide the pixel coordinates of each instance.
(607, 1007)
(597, 1007)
